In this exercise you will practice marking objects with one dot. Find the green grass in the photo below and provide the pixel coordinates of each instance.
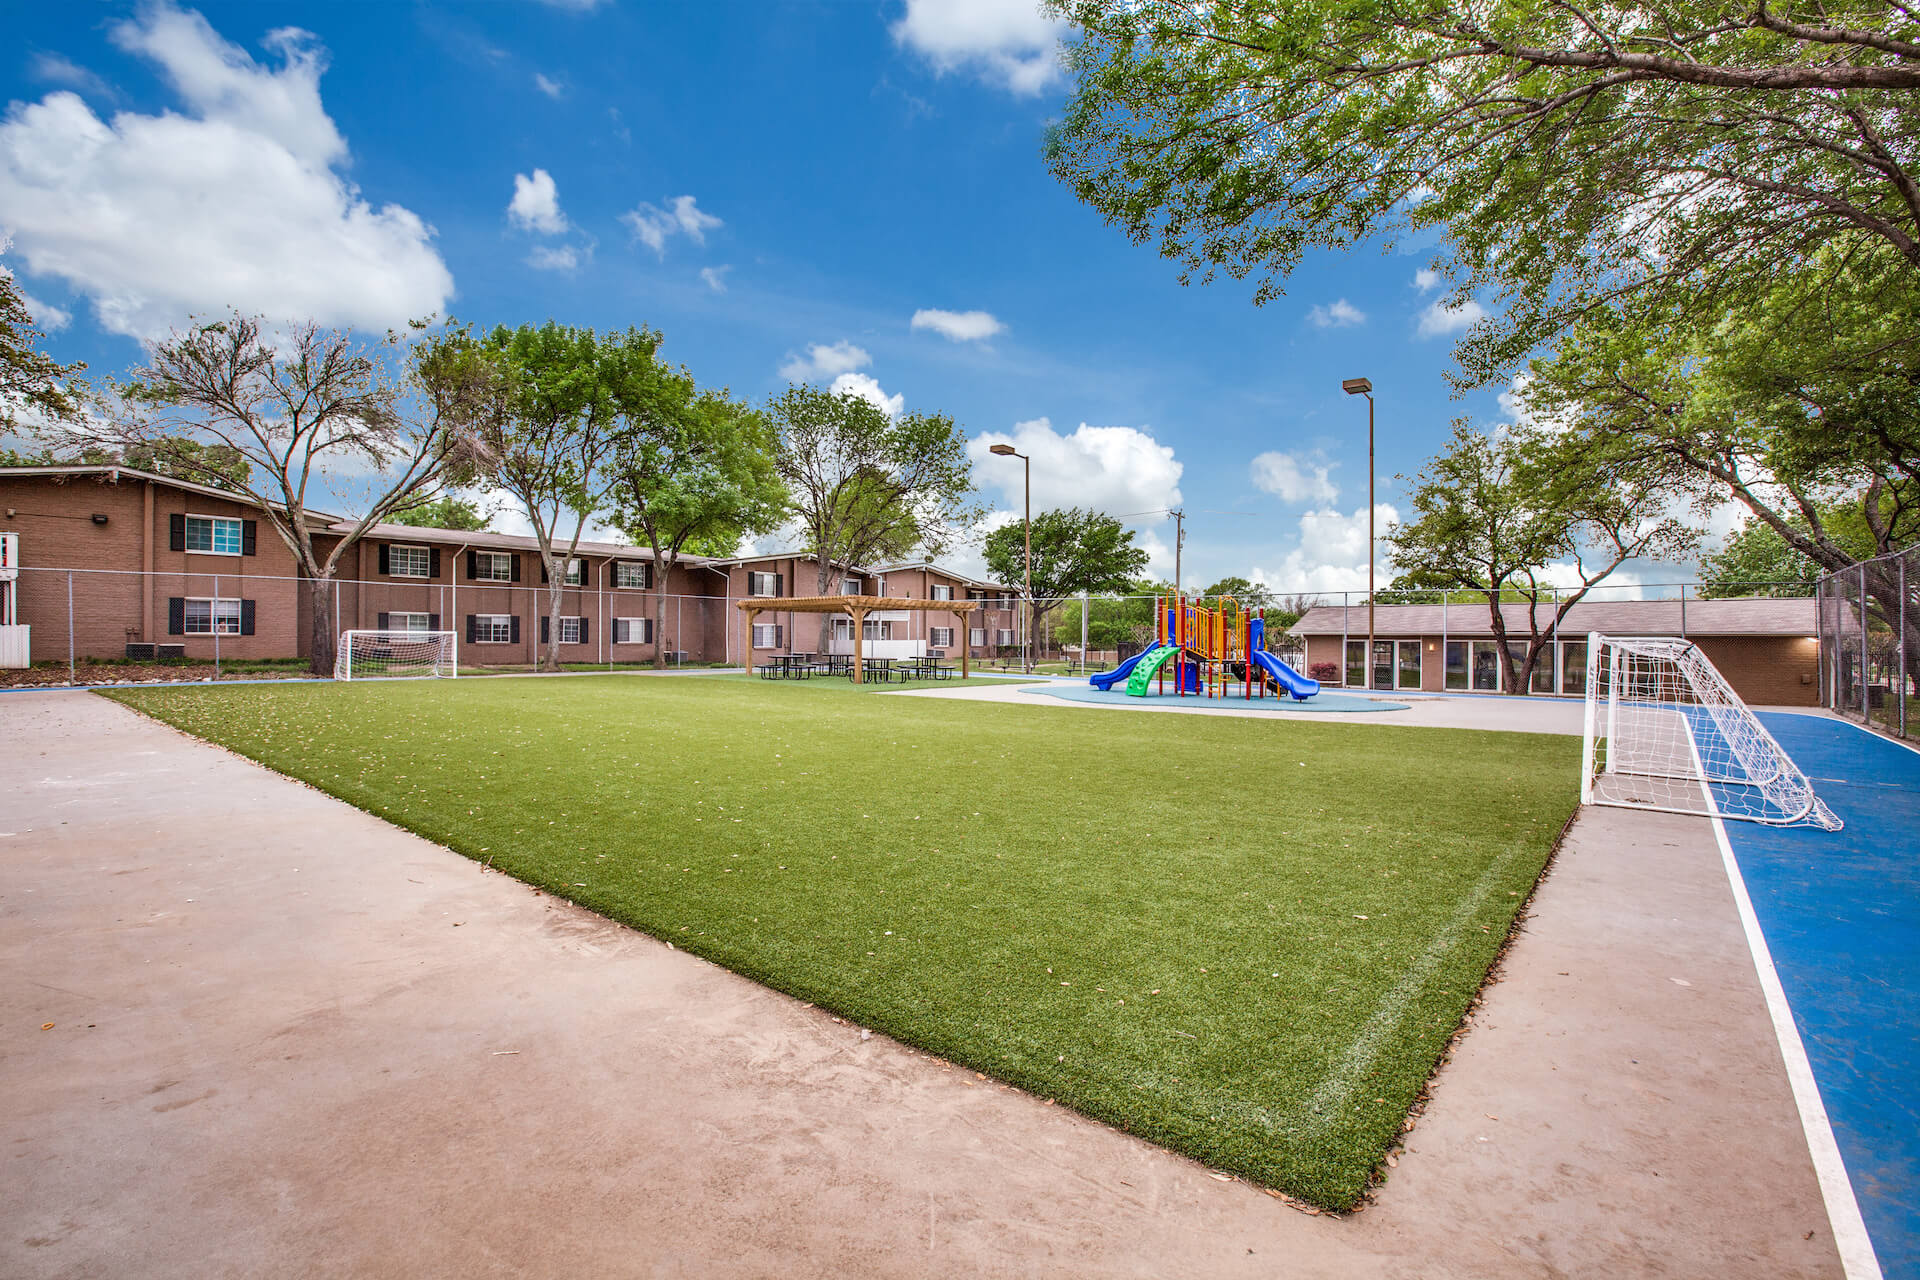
(1246, 939)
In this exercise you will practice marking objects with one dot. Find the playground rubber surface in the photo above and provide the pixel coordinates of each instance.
(1324, 703)
(1841, 914)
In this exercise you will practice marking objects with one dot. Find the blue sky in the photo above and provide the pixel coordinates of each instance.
(780, 188)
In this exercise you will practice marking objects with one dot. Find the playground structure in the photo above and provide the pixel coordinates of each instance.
(1208, 653)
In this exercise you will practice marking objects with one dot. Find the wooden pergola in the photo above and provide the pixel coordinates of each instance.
(858, 607)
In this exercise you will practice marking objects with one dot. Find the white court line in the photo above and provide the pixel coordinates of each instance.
(1843, 1210)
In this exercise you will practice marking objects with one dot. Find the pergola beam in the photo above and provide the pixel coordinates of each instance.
(858, 607)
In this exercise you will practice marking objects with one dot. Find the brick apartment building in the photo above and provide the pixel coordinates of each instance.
(151, 560)
(1767, 649)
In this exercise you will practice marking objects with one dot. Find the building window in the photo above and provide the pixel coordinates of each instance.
(1356, 669)
(1408, 674)
(763, 584)
(632, 575)
(492, 566)
(409, 562)
(493, 628)
(849, 586)
(572, 629)
(880, 586)
(766, 635)
(942, 593)
(215, 535)
(1573, 666)
(576, 573)
(417, 623)
(635, 630)
(941, 637)
(212, 617)
(1456, 664)
(1003, 637)
(977, 636)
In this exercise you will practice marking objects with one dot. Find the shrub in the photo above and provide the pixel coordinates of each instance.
(1325, 672)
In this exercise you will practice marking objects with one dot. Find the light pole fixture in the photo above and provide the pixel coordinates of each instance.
(1026, 526)
(1364, 387)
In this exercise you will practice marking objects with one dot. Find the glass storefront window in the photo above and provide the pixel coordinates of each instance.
(1456, 664)
(1486, 667)
(1382, 665)
(1573, 667)
(1356, 663)
(1409, 664)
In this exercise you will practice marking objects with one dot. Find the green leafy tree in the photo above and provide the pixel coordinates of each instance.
(690, 469)
(445, 512)
(1073, 551)
(866, 487)
(275, 417)
(1122, 623)
(1756, 560)
(547, 447)
(1490, 513)
(33, 386)
(1570, 155)
(1247, 593)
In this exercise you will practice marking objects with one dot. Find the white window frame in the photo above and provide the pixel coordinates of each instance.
(579, 635)
(489, 561)
(942, 593)
(486, 625)
(214, 524)
(620, 568)
(849, 586)
(426, 560)
(766, 635)
(644, 625)
(940, 637)
(1004, 637)
(418, 623)
(757, 580)
(217, 614)
(576, 574)
(977, 637)
(1420, 664)
(880, 585)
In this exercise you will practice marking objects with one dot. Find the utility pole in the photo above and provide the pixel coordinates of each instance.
(1026, 521)
(1179, 544)
(1363, 387)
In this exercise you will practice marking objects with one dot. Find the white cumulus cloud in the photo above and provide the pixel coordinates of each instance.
(716, 277)
(1122, 471)
(1340, 314)
(1292, 480)
(235, 202)
(1331, 553)
(551, 87)
(865, 386)
(823, 361)
(549, 258)
(1426, 280)
(536, 204)
(653, 225)
(1439, 318)
(1009, 43)
(958, 326)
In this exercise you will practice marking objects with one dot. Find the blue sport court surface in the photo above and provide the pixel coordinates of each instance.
(1841, 915)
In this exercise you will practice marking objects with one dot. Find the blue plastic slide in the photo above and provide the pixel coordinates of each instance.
(1107, 679)
(1285, 676)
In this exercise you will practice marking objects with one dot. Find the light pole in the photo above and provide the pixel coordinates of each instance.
(1363, 387)
(1026, 528)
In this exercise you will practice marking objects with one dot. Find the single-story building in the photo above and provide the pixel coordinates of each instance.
(1766, 648)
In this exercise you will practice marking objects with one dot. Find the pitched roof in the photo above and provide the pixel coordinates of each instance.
(1752, 616)
(487, 541)
(113, 472)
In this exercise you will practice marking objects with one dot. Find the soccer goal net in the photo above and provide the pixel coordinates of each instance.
(1665, 731)
(364, 655)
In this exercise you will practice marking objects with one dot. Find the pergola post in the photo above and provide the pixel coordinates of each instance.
(859, 630)
(966, 643)
(747, 647)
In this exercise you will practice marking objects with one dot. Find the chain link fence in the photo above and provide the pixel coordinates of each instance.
(1869, 618)
(232, 625)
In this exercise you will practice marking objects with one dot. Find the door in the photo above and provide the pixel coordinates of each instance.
(1382, 672)
(1408, 671)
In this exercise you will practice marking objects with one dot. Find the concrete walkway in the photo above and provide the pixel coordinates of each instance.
(289, 1039)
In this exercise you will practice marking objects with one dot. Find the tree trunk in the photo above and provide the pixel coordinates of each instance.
(660, 614)
(556, 583)
(1498, 622)
(827, 576)
(320, 596)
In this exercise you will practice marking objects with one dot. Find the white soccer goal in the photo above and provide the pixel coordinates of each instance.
(366, 655)
(1665, 731)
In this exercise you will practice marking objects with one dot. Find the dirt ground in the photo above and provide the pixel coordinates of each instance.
(45, 676)
(251, 1030)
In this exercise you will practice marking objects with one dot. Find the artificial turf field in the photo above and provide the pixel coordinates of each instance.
(1246, 939)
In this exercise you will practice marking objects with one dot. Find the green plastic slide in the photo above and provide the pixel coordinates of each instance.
(1142, 678)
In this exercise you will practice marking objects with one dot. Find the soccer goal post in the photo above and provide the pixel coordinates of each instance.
(366, 655)
(1664, 730)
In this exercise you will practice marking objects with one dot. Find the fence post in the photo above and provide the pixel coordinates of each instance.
(72, 672)
(1866, 694)
(1903, 646)
(214, 609)
(1086, 603)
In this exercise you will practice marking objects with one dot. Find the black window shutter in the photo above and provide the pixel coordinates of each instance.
(646, 574)
(433, 563)
(544, 624)
(246, 617)
(386, 568)
(779, 584)
(433, 622)
(648, 632)
(249, 537)
(176, 614)
(515, 562)
(513, 626)
(473, 567)
(473, 627)
(779, 637)
(177, 534)
(382, 622)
